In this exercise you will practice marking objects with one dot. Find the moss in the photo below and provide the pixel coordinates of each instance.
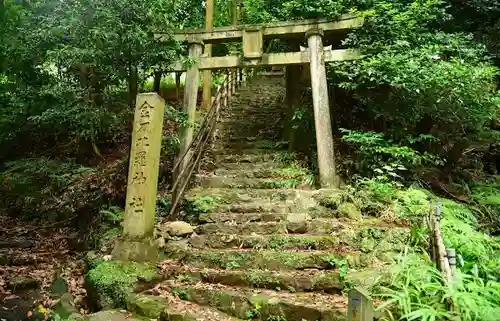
(349, 210)
(314, 242)
(110, 282)
(412, 204)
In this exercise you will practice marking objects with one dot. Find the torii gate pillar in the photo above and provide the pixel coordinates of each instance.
(322, 121)
(190, 100)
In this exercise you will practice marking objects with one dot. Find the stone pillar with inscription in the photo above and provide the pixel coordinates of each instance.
(322, 121)
(138, 226)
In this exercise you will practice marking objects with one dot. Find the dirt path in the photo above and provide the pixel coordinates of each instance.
(37, 264)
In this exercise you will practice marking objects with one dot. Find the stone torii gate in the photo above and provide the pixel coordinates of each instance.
(253, 36)
(136, 241)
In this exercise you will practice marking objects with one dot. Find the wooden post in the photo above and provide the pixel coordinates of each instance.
(360, 306)
(138, 225)
(452, 261)
(322, 121)
(229, 84)
(178, 75)
(234, 80)
(243, 77)
(293, 92)
(207, 74)
(190, 100)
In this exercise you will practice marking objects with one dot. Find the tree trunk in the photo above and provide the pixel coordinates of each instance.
(132, 85)
(157, 81)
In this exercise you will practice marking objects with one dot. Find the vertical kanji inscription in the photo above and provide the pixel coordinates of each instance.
(143, 168)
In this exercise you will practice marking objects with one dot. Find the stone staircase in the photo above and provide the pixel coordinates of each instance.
(267, 246)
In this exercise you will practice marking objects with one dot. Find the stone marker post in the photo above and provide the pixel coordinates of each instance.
(138, 225)
(190, 100)
(360, 306)
(322, 121)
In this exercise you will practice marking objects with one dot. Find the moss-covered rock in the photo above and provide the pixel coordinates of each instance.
(349, 210)
(149, 306)
(110, 282)
(65, 306)
(285, 260)
(20, 283)
(178, 228)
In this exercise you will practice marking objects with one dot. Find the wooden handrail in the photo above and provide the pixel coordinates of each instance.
(192, 157)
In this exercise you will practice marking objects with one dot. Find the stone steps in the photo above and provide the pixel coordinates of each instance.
(165, 306)
(249, 166)
(231, 259)
(270, 242)
(291, 281)
(247, 303)
(258, 207)
(265, 249)
(215, 181)
(250, 156)
(242, 195)
(300, 225)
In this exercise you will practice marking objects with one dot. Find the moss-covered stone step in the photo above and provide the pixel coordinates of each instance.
(294, 223)
(164, 306)
(355, 240)
(263, 172)
(249, 156)
(272, 260)
(257, 206)
(236, 165)
(239, 153)
(241, 195)
(211, 181)
(243, 145)
(241, 217)
(271, 242)
(292, 281)
(261, 304)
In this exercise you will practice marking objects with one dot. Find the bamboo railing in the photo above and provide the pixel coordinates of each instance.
(188, 163)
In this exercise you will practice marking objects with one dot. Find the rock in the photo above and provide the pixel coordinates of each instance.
(147, 305)
(329, 198)
(19, 283)
(111, 315)
(178, 228)
(64, 307)
(24, 244)
(197, 241)
(177, 246)
(4, 259)
(160, 242)
(59, 287)
(110, 282)
(349, 210)
(297, 222)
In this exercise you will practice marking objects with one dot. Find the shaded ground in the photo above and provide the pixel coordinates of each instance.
(37, 265)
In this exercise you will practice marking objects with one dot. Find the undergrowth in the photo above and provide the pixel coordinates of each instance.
(414, 289)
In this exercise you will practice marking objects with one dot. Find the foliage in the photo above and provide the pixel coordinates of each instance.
(423, 88)
(113, 281)
(28, 183)
(382, 157)
(416, 291)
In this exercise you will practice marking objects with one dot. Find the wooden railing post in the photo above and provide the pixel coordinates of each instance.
(189, 161)
(228, 85)
(243, 77)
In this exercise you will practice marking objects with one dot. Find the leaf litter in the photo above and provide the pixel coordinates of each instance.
(45, 256)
